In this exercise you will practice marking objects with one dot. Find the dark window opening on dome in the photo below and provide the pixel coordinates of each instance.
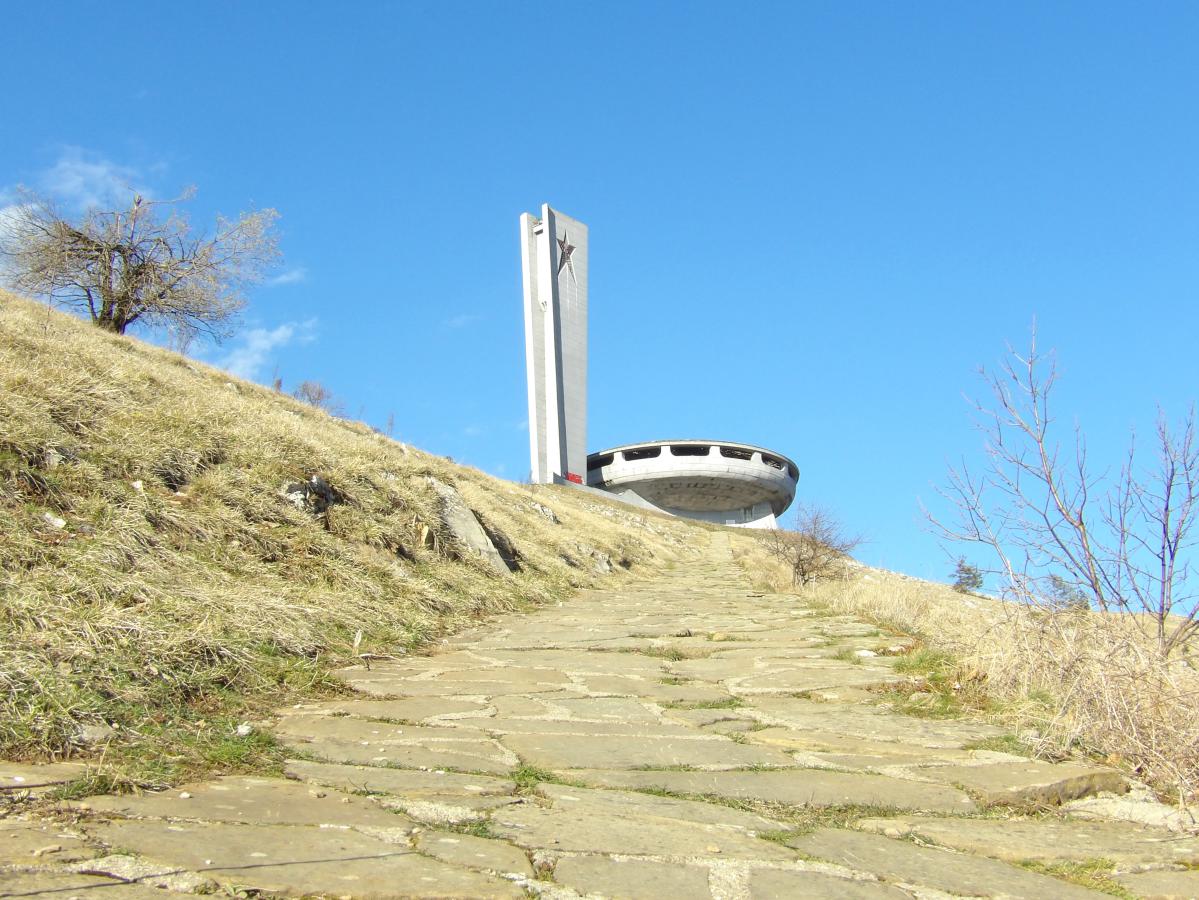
(598, 462)
(736, 453)
(688, 450)
(643, 453)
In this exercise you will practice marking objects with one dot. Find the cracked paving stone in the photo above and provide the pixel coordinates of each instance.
(383, 744)
(475, 852)
(580, 728)
(300, 860)
(653, 689)
(37, 778)
(414, 709)
(1030, 781)
(631, 878)
(867, 722)
(783, 884)
(31, 844)
(629, 752)
(595, 709)
(405, 782)
(1163, 885)
(68, 886)
(794, 787)
(1046, 840)
(579, 820)
(249, 799)
(943, 870)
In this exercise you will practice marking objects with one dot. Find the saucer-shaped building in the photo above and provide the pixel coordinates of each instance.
(717, 481)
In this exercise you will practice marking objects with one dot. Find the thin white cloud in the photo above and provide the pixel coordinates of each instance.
(462, 320)
(81, 179)
(294, 275)
(473, 430)
(257, 345)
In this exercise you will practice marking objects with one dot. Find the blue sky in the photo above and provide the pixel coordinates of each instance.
(810, 223)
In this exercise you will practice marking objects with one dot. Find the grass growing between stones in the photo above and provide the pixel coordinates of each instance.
(527, 777)
(799, 819)
(1095, 874)
(480, 828)
(154, 574)
(673, 654)
(1004, 743)
(726, 703)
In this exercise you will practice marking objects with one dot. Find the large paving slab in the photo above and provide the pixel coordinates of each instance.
(870, 723)
(555, 751)
(905, 863)
(611, 822)
(24, 844)
(71, 885)
(631, 878)
(1162, 885)
(786, 884)
(301, 860)
(37, 778)
(262, 801)
(1046, 839)
(1030, 781)
(793, 787)
(400, 782)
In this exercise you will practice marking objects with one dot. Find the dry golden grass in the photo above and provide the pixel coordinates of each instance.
(184, 592)
(1076, 680)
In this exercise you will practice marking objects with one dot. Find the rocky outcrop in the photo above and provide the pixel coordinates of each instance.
(314, 495)
(465, 535)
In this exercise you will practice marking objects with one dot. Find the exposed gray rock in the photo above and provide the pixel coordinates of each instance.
(466, 535)
(315, 495)
(545, 512)
(94, 734)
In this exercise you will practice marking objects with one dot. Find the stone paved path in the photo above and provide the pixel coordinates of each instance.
(683, 737)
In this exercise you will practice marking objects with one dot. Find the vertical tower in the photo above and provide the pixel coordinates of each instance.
(553, 252)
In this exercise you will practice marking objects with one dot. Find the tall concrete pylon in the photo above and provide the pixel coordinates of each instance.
(553, 252)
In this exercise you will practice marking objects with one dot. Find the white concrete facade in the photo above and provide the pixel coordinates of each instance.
(717, 481)
(554, 257)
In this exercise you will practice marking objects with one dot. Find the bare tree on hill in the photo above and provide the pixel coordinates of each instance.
(1063, 537)
(316, 394)
(142, 265)
(816, 548)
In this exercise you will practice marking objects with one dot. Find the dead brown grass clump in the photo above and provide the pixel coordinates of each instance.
(155, 575)
(1073, 678)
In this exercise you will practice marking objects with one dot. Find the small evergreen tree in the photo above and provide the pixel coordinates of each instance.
(967, 578)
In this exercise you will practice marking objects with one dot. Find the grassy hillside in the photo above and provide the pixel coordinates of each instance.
(158, 586)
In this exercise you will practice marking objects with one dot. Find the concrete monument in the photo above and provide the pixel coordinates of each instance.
(554, 265)
(717, 481)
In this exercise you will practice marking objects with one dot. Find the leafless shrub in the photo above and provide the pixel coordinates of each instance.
(141, 265)
(815, 548)
(316, 394)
